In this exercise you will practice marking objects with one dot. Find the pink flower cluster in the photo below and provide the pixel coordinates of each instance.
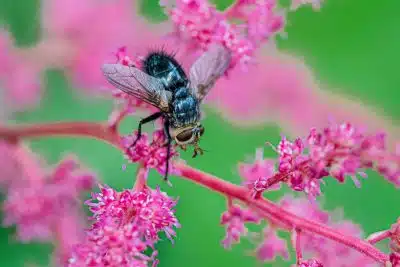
(198, 24)
(324, 252)
(337, 151)
(255, 175)
(234, 219)
(126, 224)
(18, 76)
(36, 206)
(151, 154)
(271, 246)
(45, 206)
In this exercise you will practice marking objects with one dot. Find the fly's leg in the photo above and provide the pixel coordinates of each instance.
(150, 118)
(168, 144)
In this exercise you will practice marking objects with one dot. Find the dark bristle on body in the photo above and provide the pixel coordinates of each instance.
(160, 64)
(158, 59)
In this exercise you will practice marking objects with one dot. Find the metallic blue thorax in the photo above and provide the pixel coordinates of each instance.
(184, 107)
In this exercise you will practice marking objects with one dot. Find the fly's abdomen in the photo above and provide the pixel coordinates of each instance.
(167, 69)
(185, 108)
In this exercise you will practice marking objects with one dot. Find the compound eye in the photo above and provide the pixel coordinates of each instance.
(201, 130)
(185, 136)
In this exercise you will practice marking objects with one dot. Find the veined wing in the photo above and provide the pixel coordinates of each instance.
(135, 82)
(207, 69)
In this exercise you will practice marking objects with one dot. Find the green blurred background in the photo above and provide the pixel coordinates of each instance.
(351, 46)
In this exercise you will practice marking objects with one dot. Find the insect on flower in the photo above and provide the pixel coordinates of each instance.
(162, 82)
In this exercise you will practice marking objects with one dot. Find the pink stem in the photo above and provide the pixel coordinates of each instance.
(270, 209)
(116, 117)
(93, 130)
(379, 236)
(274, 211)
(141, 178)
(296, 235)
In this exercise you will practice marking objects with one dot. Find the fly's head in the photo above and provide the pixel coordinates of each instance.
(189, 135)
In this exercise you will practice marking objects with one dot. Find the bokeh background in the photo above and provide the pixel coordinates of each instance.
(352, 47)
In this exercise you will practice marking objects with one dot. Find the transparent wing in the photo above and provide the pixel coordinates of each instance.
(207, 69)
(135, 82)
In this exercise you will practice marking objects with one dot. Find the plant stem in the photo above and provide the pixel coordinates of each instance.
(141, 178)
(296, 235)
(268, 208)
(379, 236)
(88, 129)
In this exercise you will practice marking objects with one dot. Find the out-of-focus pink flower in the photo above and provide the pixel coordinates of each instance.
(9, 166)
(69, 232)
(316, 4)
(235, 219)
(327, 252)
(152, 154)
(126, 224)
(272, 246)
(256, 174)
(19, 78)
(95, 29)
(280, 88)
(304, 208)
(36, 203)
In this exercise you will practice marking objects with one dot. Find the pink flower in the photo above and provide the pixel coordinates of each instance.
(234, 219)
(44, 204)
(95, 29)
(69, 232)
(10, 170)
(272, 246)
(36, 203)
(326, 252)
(338, 150)
(198, 24)
(282, 89)
(304, 208)
(18, 76)
(112, 246)
(256, 174)
(151, 154)
(125, 225)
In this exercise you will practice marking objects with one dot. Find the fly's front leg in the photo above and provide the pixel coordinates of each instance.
(150, 118)
(168, 144)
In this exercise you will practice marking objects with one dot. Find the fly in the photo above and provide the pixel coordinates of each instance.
(163, 83)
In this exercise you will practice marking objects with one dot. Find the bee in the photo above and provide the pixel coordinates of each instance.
(162, 82)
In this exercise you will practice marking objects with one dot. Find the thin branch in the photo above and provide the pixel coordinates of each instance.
(87, 129)
(378, 236)
(296, 235)
(116, 117)
(141, 178)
